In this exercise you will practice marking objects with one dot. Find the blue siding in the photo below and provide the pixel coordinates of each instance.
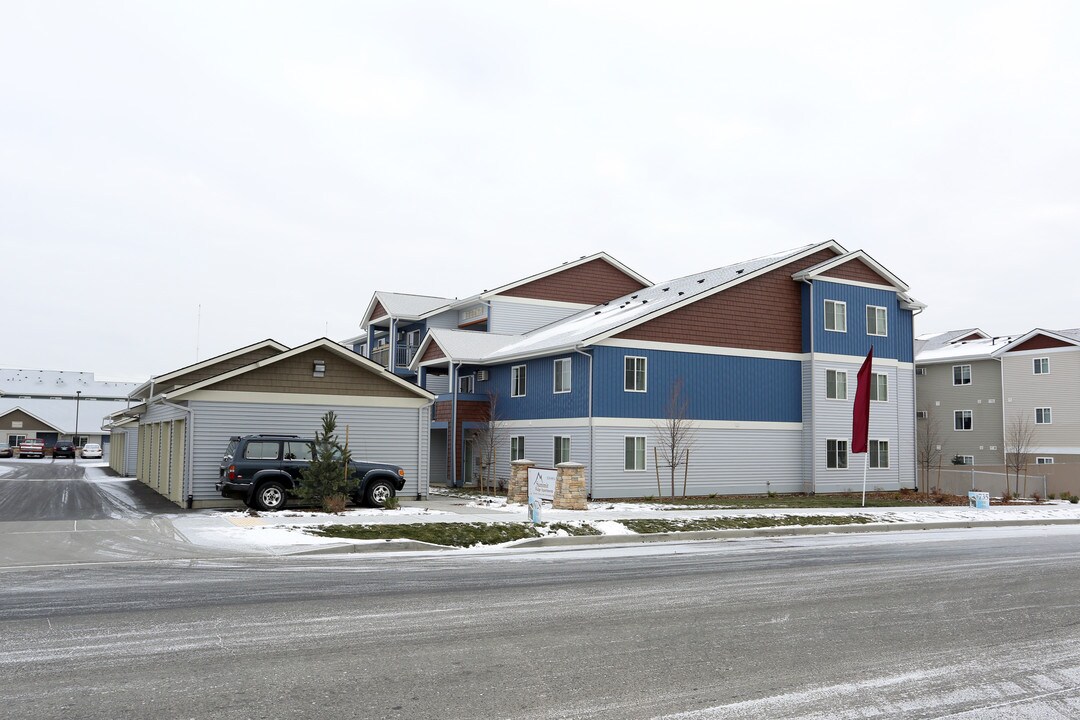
(898, 343)
(717, 387)
(540, 399)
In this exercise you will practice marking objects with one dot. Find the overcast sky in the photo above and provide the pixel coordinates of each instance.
(276, 163)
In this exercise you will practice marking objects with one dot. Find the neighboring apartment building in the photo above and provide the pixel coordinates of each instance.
(57, 405)
(582, 363)
(972, 389)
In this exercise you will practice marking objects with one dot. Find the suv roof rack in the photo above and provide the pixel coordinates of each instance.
(273, 435)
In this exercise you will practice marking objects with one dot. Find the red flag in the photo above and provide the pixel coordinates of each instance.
(860, 420)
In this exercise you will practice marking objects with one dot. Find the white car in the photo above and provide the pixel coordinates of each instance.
(91, 450)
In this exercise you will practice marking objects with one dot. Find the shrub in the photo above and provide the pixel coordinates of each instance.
(334, 503)
(1036, 497)
(392, 503)
(1006, 497)
(1074, 499)
(327, 475)
(1051, 496)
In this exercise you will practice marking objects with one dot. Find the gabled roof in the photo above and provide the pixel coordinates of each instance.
(584, 259)
(956, 345)
(404, 306)
(858, 255)
(322, 344)
(602, 321)
(461, 345)
(159, 379)
(43, 421)
(1070, 337)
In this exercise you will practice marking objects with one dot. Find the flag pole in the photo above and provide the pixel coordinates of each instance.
(866, 464)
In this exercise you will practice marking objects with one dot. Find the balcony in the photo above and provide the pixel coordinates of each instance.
(403, 355)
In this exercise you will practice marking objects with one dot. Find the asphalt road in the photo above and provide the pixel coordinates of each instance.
(957, 624)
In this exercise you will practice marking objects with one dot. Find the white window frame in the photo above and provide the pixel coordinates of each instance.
(1043, 460)
(835, 385)
(567, 375)
(555, 449)
(961, 368)
(643, 450)
(1046, 414)
(517, 447)
(466, 384)
(518, 377)
(832, 315)
(970, 417)
(883, 325)
(967, 459)
(412, 338)
(877, 382)
(1038, 364)
(874, 450)
(644, 373)
(836, 453)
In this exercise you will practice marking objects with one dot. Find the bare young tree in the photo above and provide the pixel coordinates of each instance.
(674, 436)
(488, 438)
(1016, 452)
(928, 447)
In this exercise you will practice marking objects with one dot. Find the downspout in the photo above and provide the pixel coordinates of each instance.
(813, 380)
(592, 434)
(420, 446)
(188, 481)
(453, 424)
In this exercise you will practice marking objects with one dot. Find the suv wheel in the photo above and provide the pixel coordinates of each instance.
(378, 492)
(271, 495)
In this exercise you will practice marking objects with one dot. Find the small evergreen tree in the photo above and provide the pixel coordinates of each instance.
(328, 481)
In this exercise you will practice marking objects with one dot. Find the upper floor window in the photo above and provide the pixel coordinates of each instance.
(517, 447)
(634, 375)
(836, 316)
(1044, 460)
(412, 338)
(877, 320)
(962, 420)
(1041, 366)
(562, 375)
(1042, 416)
(961, 374)
(466, 384)
(879, 387)
(836, 384)
(879, 453)
(517, 381)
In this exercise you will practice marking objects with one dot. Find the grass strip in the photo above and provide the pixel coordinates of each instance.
(650, 525)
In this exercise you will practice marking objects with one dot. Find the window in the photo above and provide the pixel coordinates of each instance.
(517, 447)
(961, 374)
(295, 450)
(562, 375)
(262, 450)
(962, 420)
(1041, 366)
(466, 384)
(836, 454)
(965, 460)
(81, 440)
(517, 381)
(1044, 461)
(879, 453)
(634, 375)
(877, 320)
(879, 387)
(836, 384)
(635, 453)
(1042, 416)
(562, 449)
(835, 316)
(412, 338)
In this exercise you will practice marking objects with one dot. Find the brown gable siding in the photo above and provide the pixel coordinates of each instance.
(295, 375)
(764, 313)
(28, 423)
(972, 336)
(856, 270)
(1041, 342)
(592, 283)
(433, 352)
(376, 312)
(217, 368)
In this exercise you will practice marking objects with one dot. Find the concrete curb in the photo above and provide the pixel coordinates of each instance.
(689, 536)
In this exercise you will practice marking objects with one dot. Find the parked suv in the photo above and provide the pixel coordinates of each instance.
(264, 470)
(63, 448)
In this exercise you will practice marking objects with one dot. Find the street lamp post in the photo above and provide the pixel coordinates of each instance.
(78, 396)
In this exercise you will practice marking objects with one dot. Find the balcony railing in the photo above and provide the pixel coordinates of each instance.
(403, 355)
